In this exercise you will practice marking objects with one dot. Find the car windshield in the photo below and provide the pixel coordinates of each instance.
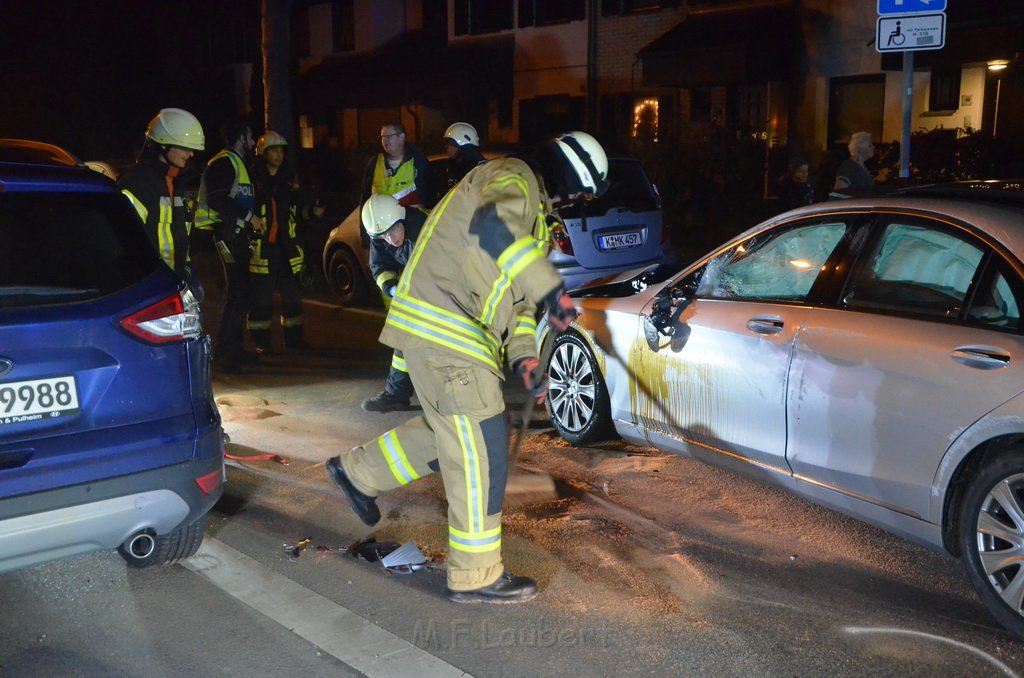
(70, 246)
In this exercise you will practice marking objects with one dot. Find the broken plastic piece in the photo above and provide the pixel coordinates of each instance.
(407, 554)
(295, 549)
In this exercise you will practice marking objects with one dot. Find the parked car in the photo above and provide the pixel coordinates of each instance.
(865, 354)
(617, 232)
(109, 435)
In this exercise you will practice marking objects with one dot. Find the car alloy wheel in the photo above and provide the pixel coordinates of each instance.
(577, 397)
(992, 538)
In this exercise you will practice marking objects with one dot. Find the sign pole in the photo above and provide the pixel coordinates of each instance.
(908, 102)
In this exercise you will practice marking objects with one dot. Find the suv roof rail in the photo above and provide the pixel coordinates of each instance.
(36, 153)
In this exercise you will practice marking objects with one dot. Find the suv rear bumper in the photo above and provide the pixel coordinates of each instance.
(104, 514)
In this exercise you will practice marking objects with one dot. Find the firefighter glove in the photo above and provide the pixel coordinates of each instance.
(561, 311)
(535, 380)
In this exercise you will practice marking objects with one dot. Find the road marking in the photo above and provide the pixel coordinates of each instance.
(334, 629)
(856, 630)
(377, 313)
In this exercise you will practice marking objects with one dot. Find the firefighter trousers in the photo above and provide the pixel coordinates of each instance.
(462, 433)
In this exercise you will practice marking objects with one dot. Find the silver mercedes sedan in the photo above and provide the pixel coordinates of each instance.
(866, 354)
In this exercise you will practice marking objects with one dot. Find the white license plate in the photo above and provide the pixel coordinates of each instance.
(37, 399)
(619, 241)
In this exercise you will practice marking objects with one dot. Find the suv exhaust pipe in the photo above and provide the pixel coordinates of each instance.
(140, 546)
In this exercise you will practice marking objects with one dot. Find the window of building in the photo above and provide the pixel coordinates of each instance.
(476, 17)
(547, 12)
(343, 25)
(855, 104)
(614, 7)
(944, 90)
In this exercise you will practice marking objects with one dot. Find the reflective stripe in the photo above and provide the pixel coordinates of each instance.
(519, 255)
(474, 542)
(525, 325)
(471, 469)
(428, 229)
(385, 277)
(392, 450)
(444, 328)
(398, 363)
(137, 204)
(164, 237)
(501, 285)
(291, 321)
(516, 179)
(257, 324)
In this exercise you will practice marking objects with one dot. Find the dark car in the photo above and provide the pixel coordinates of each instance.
(109, 435)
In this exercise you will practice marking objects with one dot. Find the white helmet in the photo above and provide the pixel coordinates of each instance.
(588, 160)
(380, 213)
(176, 127)
(269, 139)
(462, 133)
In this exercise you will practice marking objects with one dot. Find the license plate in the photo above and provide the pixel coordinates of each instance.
(619, 241)
(38, 399)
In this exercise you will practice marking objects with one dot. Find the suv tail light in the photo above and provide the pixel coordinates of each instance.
(560, 239)
(175, 318)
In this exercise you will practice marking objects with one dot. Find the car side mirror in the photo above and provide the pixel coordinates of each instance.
(665, 312)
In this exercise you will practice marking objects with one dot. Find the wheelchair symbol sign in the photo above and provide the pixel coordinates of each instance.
(910, 32)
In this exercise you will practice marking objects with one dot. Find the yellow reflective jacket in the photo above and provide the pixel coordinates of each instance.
(478, 270)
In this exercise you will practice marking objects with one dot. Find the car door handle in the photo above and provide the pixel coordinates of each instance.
(981, 357)
(766, 324)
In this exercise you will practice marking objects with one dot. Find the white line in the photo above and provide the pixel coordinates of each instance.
(940, 639)
(340, 632)
(363, 311)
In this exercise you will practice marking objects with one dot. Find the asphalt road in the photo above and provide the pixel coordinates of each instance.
(649, 564)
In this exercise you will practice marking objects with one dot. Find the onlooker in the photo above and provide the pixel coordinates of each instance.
(794, 189)
(277, 256)
(852, 175)
(465, 304)
(462, 146)
(153, 187)
(394, 230)
(226, 202)
(400, 171)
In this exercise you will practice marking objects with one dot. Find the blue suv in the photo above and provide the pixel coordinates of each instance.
(109, 434)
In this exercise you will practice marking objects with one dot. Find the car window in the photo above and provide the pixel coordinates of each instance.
(916, 269)
(628, 187)
(995, 303)
(780, 265)
(69, 246)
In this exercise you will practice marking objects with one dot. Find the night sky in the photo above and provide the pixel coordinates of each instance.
(89, 74)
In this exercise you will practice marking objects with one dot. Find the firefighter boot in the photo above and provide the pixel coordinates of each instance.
(363, 505)
(507, 589)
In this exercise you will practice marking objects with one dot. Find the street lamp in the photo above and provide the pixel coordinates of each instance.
(997, 66)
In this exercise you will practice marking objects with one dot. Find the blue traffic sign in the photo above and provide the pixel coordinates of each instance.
(910, 6)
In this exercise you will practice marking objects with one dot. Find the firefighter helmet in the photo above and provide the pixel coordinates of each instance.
(176, 127)
(462, 133)
(587, 159)
(269, 139)
(380, 213)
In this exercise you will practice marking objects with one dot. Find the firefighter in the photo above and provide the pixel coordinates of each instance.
(226, 206)
(467, 298)
(393, 230)
(277, 256)
(153, 185)
(462, 146)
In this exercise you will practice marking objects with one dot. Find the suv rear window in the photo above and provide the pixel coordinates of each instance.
(57, 247)
(628, 186)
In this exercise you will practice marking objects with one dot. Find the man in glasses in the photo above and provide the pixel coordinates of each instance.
(401, 170)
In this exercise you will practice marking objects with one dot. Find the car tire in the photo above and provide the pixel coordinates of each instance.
(178, 544)
(346, 277)
(577, 399)
(992, 537)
